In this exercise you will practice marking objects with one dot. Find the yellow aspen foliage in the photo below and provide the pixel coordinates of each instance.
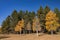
(51, 21)
(16, 28)
(36, 24)
(20, 25)
(28, 26)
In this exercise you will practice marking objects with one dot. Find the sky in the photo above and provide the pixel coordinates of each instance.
(8, 6)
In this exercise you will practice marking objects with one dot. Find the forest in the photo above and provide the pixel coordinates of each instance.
(23, 22)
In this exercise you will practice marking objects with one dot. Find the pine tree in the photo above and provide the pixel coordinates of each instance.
(21, 14)
(46, 10)
(6, 25)
(14, 20)
(41, 16)
(56, 10)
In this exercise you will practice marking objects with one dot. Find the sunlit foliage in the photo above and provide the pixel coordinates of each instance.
(51, 21)
(36, 24)
(20, 25)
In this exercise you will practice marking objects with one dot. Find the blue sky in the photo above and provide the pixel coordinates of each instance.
(7, 6)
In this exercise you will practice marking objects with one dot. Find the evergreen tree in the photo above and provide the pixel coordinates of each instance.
(46, 10)
(6, 25)
(26, 18)
(21, 14)
(41, 16)
(56, 10)
(14, 19)
(31, 17)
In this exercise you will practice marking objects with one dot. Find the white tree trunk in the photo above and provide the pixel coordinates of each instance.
(20, 31)
(52, 32)
(36, 30)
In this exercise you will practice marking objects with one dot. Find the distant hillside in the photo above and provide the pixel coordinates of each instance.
(0, 26)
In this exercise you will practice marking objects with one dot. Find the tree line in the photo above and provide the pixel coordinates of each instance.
(44, 20)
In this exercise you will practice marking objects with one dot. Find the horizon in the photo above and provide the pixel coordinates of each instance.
(8, 6)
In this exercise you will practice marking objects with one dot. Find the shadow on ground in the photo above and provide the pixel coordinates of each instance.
(41, 34)
(2, 37)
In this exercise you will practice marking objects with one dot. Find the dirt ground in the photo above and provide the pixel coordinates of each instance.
(29, 37)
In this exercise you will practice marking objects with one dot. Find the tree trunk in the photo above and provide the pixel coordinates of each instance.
(20, 31)
(37, 31)
(29, 31)
(51, 31)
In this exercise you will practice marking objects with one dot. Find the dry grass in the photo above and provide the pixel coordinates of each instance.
(31, 37)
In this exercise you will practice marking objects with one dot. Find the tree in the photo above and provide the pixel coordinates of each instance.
(26, 19)
(28, 27)
(41, 16)
(36, 25)
(40, 11)
(14, 19)
(19, 27)
(56, 10)
(31, 17)
(51, 22)
(6, 25)
(21, 14)
(46, 10)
